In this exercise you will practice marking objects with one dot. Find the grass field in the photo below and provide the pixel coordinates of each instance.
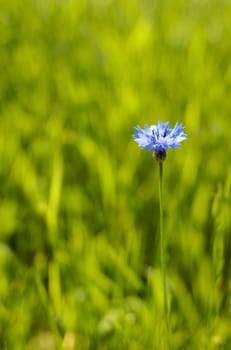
(79, 207)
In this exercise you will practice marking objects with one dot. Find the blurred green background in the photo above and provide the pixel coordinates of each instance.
(79, 219)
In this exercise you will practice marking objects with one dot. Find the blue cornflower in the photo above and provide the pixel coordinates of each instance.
(158, 138)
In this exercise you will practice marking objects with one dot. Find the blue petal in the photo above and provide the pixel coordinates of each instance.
(159, 137)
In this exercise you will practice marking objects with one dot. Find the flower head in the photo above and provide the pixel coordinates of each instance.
(158, 138)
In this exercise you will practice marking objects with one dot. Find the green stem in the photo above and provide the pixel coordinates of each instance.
(45, 302)
(162, 254)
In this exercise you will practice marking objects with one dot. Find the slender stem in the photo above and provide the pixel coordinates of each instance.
(43, 295)
(162, 253)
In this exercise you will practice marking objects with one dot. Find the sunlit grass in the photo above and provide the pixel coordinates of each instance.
(79, 214)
